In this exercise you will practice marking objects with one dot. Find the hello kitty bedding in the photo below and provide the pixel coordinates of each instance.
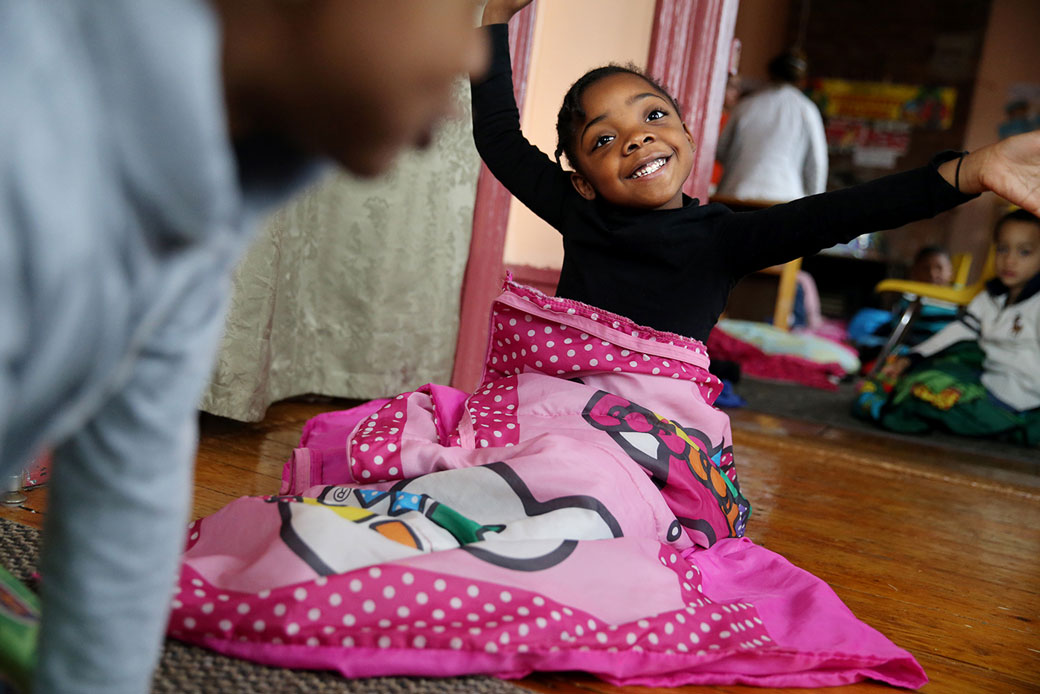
(579, 511)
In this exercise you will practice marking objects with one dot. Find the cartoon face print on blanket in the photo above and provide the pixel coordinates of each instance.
(667, 450)
(692, 466)
(579, 510)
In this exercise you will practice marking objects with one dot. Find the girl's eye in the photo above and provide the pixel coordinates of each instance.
(602, 140)
(656, 114)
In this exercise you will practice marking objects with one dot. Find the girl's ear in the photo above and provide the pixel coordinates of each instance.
(582, 185)
(693, 145)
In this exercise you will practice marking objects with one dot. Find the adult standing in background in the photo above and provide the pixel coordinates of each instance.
(142, 140)
(773, 148)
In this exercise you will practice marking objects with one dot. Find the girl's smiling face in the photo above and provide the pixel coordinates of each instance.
(1018, 253)
(633, 149)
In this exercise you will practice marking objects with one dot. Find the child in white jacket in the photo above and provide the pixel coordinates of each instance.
(980, 375)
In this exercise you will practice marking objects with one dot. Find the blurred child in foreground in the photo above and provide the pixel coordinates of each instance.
(143, 141)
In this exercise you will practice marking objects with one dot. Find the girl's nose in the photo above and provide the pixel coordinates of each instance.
(638, 141)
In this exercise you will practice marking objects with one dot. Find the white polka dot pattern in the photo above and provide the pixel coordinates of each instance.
(493, 410)
(399, 607)
(375, 449)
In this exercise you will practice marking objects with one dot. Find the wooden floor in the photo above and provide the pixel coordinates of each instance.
(941, 555)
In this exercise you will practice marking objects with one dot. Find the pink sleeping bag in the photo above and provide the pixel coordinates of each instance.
(579, 511)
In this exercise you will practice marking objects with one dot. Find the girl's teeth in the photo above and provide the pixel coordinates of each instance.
(649, 168)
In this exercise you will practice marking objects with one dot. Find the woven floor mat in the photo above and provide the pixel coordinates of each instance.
(186, 669)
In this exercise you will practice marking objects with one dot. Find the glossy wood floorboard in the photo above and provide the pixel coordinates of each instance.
(941, 554)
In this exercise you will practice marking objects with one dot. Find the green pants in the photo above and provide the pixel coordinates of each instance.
(944, 392)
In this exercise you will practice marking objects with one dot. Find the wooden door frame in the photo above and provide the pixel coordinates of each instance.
(690, 52)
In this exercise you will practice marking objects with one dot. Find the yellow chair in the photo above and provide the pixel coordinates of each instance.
(960, 293)
(785, 290)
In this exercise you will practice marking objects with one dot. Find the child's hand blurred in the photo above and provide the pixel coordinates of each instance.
(1010, 168)
(894, 368)
(501, 11)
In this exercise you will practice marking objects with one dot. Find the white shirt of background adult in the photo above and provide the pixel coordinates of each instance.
(773, 147)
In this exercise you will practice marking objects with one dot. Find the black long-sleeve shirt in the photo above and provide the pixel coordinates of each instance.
(673, 269)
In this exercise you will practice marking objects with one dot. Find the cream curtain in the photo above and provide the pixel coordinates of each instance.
(352, 290)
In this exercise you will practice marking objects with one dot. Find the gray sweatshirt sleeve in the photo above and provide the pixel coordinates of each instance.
(119, 506)
(13, 329)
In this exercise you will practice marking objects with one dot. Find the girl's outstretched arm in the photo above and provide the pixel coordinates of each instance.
(750, 241)
(1010, 168)
(526, 172)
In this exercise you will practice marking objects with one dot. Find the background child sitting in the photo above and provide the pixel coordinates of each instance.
(980, 375)
(870, 327)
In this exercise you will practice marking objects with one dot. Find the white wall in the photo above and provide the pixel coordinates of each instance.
(570, 37)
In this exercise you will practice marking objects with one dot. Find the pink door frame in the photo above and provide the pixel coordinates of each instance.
(690, 50)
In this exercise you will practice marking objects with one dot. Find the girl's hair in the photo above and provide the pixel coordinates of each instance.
(1020, 215)
(572, 113)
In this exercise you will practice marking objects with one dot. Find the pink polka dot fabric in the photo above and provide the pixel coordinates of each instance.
(375, 448)
(493, 409)
(392, 607)
(568, 339)
(578, 511)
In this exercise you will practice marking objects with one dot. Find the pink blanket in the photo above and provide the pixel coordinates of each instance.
(579, 511)
(754, 361)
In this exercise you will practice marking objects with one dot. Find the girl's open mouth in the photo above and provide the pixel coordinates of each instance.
(650, 167)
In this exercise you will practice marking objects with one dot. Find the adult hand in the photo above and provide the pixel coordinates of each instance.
(1010, 168)
(501, 11)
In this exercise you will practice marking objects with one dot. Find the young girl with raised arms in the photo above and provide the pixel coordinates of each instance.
(635, 245)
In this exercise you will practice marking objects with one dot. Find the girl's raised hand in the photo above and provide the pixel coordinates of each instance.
(501, 11)
(1010, 168)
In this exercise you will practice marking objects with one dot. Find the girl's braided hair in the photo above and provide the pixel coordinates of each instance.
(572, 113)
